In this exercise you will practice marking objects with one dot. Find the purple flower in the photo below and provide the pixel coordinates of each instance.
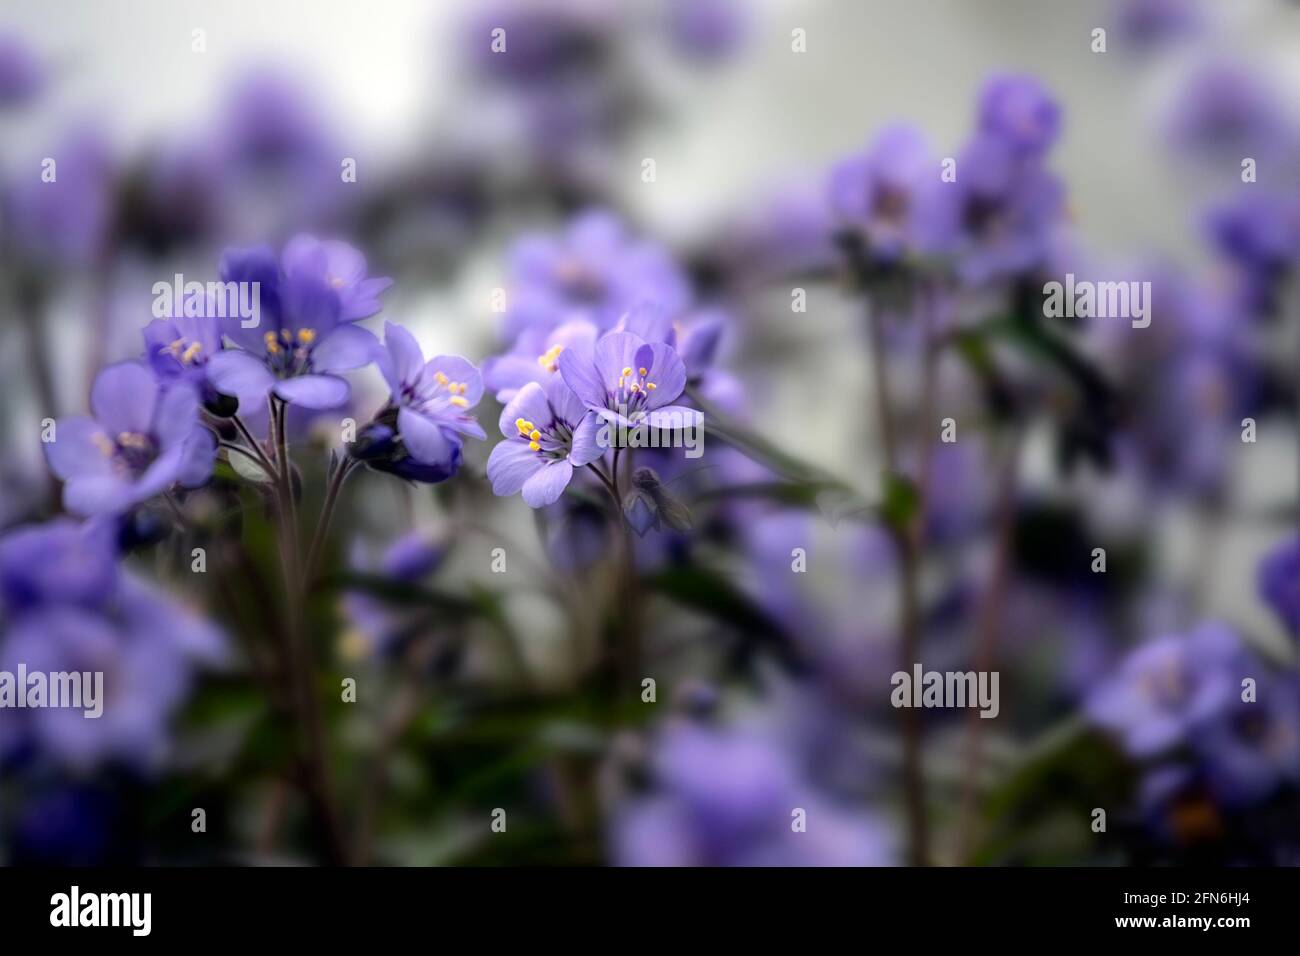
(61, 561)
(1169, 689)
(594, 271)
(66, 220)
(874, 192)
(1254, 746)
(143, 439)
(376, 626)
(1226, 110)
(68, 607)
(433, 399)
(707, 30)
(631, 382)
(179, 348)
(302, 338)
(21, 73)
(1278, 578)
(725, 797)
(998, 219)
(1017, 109)
(144, 644)
(1151, 23)
(1258, 233)
(548, 432)
(339, 266)
(535, 356)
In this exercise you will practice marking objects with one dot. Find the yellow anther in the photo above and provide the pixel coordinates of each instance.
(460, 402)
(533, 446)
(534, 434)
(651, 386)
(550, 359)
(627, 371)
(642, 372)
(440, 377)
(520, 423)
(188, 355)
(130, 439)
(105, 446)
(306, 336)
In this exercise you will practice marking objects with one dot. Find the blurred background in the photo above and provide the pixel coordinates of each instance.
(847, 304)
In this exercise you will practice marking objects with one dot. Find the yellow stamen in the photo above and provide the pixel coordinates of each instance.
(642, 372)
(533, 446)
(188, 355)
(460, 402)
(440, 377)
(651, 386)
(627, 371)
(534, 434)
(306, 336)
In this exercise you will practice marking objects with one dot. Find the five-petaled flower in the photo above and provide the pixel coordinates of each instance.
(548, 432)
(143, 439)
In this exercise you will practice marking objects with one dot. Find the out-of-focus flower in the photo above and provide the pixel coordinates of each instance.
(535, 356)
(998, 218)
(1018, 109)
(1169, 689)
(1278, 577)
(1258, 233)
(433, 399)
(178, 349)
(874, 192)
(59, 562)
(1253, 747)
(302, 338)
(375, 625)
(341, 267)
(21, 72)
(97, 619)
(631, 382)
(594, 271)
(1147, 24)
(61, 214)
(707, 30)
(143, 439)
(543, 41)
(727, 796)
(1224, 110)
(548, 433)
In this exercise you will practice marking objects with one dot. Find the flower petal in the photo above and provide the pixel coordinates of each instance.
(177, 416)
(530, 404)
(510, 465)
(347, 347)
(77, 449)
(586, 440)
(460, 370)
(236, 372)
(123, 398)
(547, 484)
(674, 418)
(404, 357)
(663, 367)
(424, 439)
(314, 391)
(580, 374)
